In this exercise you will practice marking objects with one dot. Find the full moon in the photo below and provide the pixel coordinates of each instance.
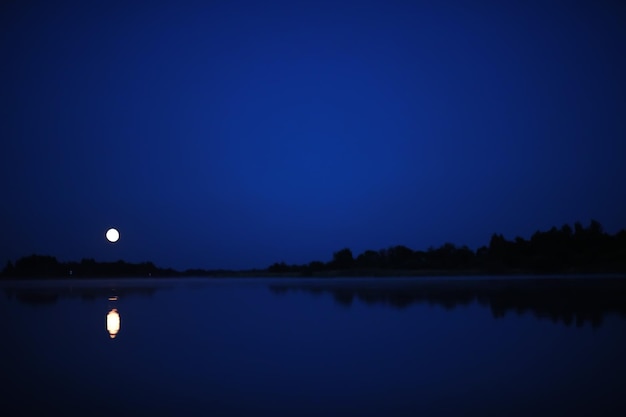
(112, 235)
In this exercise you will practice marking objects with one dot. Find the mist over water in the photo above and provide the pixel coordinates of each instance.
(240, 347)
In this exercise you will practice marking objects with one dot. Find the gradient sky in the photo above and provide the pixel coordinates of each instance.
(235, 134)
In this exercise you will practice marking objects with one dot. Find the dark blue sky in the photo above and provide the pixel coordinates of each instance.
(240, 133)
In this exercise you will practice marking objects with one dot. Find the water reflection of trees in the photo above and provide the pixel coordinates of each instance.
(34, 297)
(567, 301)
(50, 295)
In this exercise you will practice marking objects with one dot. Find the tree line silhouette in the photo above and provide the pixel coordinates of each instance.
(43, 266)
(558, 250)
(565, 250)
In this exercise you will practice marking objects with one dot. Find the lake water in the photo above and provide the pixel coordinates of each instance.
(295, 347)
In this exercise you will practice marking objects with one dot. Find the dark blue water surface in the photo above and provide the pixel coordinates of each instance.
(296, 347)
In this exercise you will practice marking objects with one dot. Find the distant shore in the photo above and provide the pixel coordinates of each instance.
(328, 274)
(565, 251)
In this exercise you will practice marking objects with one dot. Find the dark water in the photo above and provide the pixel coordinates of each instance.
(398, 347)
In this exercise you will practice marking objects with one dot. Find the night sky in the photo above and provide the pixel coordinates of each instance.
(236, 134)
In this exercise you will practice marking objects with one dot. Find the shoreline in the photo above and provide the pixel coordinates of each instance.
(335, 274)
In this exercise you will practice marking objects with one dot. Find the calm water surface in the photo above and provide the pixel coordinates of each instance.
(245, 347)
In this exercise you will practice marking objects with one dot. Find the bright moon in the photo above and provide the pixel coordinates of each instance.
(113, 235)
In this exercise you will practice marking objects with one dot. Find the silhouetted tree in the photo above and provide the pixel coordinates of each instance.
(310, 269)
(278, 267)
(567, 231)
(9, 270)
(343, 259)
(38, 266)
(579, 229)
(419, 260)
(440, 258)
(399, 257)
(369, 259)
(595, 228)
(316, 266)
